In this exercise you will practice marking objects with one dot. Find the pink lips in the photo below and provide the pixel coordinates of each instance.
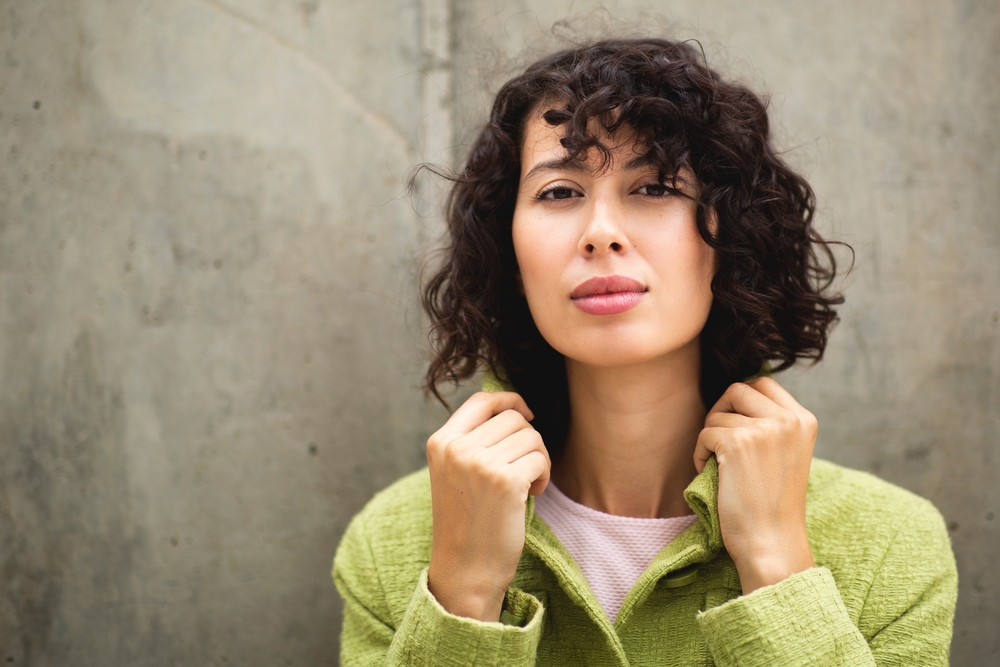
(607, 295)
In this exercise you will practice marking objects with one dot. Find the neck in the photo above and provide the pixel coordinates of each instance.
(632, 432)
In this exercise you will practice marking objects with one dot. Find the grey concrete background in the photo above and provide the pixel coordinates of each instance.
(209, 337)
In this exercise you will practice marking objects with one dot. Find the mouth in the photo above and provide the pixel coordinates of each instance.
(608, 295)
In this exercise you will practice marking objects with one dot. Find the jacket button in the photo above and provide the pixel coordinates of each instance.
(681, 577)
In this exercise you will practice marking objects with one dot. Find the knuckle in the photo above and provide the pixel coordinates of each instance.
(528, 434)
(771, 429)
(742, 438)
(548, 462)
(541, 460)
(481, 397)
(513, 416)
(536, 439)
(509, 482)
(434, 445)
(497, 479)
(737, 391)
(788, 418)
(542, 450)
(452, 451)
(479, 465)
(810, 423)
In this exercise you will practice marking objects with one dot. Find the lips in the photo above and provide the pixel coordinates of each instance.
(606, 285)
(607, 295)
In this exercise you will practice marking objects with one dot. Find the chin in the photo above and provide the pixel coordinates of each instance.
(624, 346)
(615, 352)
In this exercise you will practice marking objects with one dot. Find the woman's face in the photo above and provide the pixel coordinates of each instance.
(612, 266)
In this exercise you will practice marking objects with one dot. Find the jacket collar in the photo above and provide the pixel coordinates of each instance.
(702, 495)
(699, 543)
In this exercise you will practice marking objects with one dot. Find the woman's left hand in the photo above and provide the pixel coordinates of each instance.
(763, 442)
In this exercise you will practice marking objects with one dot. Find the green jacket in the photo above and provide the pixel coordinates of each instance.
(883, 592)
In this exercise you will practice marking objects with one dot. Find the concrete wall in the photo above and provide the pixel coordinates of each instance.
(209, 337)
(208, 332)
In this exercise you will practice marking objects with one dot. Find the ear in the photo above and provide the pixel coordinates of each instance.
(712, 222)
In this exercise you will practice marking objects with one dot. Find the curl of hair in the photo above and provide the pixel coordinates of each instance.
(770, 306)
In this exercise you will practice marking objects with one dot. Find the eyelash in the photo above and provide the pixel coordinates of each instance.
(665, 191)
(543, 195)
(554, 188)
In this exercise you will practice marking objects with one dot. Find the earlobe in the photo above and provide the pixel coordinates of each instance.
(712, 222)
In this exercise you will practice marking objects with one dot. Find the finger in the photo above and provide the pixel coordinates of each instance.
(705, 448)
(480, 407)
(535, 467)
(727, 420)
(517, 445)
(496, 428)
(741, 398)
(774, 391)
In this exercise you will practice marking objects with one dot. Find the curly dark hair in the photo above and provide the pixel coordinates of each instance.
(770, 306)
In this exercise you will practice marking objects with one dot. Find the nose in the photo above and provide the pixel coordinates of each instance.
(604, 232)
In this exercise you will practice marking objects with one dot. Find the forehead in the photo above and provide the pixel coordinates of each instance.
(541, 144)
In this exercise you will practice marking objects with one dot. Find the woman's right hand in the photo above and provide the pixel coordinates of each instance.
(484, 462)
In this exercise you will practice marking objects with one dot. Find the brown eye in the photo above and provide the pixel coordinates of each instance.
(654, 190)
(557, 193)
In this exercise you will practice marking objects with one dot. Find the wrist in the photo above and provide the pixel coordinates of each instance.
(767, 567)
(469, 595)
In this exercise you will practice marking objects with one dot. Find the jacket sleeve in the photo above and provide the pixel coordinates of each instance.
(426, 635)
(906, 619)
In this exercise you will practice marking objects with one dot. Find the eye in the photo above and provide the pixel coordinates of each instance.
(654, 190)
(558, 192)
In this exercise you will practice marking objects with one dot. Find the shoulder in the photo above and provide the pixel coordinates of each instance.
(879, 540)
(839, 497)
(387, 544)
(401, 512)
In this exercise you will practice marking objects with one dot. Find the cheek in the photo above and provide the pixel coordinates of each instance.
(538, 252)
(707, 266)
(699, 263)
(685, 265)
(702, 273)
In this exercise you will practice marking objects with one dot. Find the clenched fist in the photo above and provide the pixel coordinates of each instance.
(763, 441)
(484, 462)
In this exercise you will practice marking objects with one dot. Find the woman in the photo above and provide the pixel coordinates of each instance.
(629, 258)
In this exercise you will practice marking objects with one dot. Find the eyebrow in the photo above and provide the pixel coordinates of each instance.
(580, 167)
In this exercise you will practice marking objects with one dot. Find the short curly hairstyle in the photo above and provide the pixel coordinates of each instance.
(770, 302)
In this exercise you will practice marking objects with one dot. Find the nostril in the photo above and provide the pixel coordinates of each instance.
(616, 246)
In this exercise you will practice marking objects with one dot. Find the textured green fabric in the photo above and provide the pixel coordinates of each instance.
(883, 592)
